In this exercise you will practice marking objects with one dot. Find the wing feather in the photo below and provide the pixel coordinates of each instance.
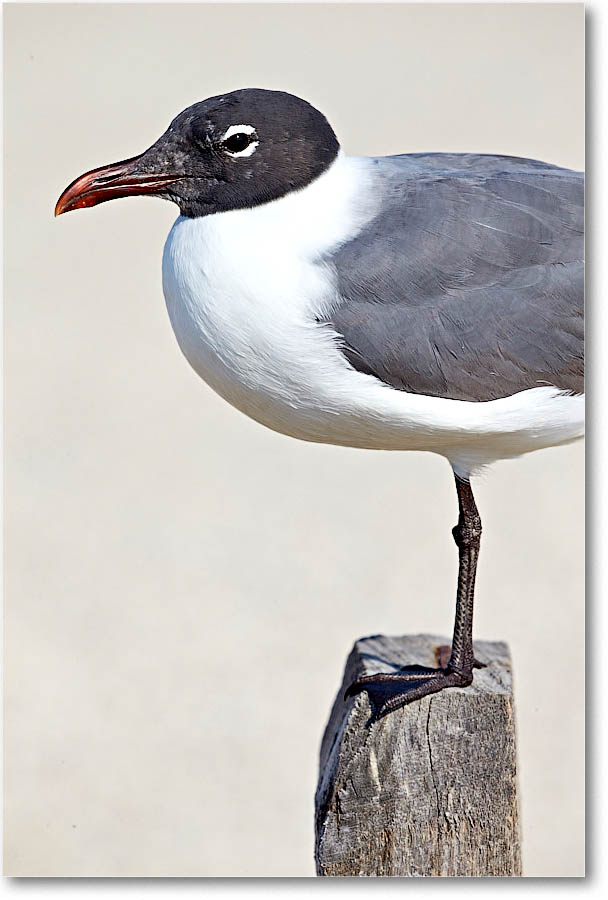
(469, 284)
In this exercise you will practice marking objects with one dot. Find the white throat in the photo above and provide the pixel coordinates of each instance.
(306, 223)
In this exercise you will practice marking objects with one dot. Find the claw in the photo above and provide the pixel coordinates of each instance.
(388, 679)
(390, 691)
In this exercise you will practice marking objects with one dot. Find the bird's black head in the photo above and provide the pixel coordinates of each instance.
(228, 152)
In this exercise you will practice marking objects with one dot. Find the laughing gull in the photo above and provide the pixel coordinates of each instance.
(425, 301)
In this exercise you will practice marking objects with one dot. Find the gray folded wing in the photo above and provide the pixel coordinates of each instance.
(468, 284)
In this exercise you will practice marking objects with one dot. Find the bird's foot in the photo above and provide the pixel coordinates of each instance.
(390, 691)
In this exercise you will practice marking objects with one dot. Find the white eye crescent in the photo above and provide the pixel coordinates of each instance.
(240, 140)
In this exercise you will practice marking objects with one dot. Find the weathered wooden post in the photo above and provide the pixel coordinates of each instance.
(430, 789)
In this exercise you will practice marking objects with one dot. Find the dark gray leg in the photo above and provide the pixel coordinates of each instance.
(467, 535)
(389, 691)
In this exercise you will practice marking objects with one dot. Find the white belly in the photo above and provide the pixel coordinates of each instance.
(243, 290)
(256, 346)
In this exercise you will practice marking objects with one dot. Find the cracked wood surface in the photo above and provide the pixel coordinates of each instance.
(430, 789)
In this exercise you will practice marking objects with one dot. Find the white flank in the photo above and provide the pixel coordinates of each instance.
(243, 290)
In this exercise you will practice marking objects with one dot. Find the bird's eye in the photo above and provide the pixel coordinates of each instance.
(237, 142)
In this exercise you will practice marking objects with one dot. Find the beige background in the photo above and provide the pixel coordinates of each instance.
(182, 586)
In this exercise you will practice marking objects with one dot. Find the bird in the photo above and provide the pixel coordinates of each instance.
(420, 301)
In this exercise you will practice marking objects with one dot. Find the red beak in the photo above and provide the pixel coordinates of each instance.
(121, 179)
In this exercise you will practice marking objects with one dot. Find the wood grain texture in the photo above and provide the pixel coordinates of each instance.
(431, 789)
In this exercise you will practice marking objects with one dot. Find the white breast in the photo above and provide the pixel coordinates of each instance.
(244, 290)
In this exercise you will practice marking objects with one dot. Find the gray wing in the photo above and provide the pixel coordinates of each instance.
(469, 282)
